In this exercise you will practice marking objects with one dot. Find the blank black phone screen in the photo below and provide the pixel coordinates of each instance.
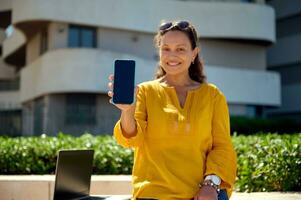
(124, 81)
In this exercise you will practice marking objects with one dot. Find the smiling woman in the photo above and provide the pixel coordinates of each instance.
(178, 126)
(186, 43)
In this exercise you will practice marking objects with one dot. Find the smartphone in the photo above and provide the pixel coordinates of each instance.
(124, 81)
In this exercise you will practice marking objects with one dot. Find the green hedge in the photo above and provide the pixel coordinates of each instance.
(37, 155)
(266, 162)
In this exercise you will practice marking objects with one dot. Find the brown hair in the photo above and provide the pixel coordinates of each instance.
(196, 69)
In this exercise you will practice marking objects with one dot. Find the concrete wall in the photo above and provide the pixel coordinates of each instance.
(6, 71)
(232, 21)
(13, 42)
(42, 187)
(33, 48)
(9, 100)
(248, 87)
(231, 53)
(5, 5)
(129, 42)
(57, 35)
(239, 110)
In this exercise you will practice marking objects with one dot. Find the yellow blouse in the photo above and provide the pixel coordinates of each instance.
(176, 147)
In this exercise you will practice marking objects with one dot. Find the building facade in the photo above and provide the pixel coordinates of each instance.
(62, 52)
(285, 58)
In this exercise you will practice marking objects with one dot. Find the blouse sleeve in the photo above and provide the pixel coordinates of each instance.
(141, 123)
(221, 159)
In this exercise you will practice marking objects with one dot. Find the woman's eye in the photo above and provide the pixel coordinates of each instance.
(165, 49)
(181, 49)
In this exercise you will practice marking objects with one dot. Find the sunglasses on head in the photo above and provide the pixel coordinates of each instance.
(169, 25)
(182, 25)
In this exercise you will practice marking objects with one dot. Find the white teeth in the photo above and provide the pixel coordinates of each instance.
(173, 63)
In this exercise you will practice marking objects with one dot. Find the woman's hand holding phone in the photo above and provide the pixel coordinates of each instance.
(122, 107)
(122, 91)
(128, 123)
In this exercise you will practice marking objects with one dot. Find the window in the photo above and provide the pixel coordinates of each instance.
(288, 26)
(80, 109)
(82, 36)
(259, 111)
(10, 122)
(9, 85)
(38, 112)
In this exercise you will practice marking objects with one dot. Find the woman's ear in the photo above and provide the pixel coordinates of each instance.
(195, 52)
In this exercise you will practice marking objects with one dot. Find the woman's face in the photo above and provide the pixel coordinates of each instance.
(176, 53)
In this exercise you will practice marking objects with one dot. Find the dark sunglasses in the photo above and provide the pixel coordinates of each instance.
(183, 25)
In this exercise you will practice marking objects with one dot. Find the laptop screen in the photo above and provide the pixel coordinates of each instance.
(73, 174)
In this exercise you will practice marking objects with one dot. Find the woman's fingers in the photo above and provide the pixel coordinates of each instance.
(110, 93)
(110, 85)
(123, 107)
(111, 77)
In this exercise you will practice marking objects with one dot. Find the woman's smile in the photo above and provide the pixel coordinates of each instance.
(173, 63)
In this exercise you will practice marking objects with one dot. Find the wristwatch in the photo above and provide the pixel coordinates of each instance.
(213, 181)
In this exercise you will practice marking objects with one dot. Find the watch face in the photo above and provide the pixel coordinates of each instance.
(216, 180)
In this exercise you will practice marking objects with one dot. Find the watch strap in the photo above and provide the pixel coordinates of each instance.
(211, 184)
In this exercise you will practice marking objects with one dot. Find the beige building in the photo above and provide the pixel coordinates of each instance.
(60, 53)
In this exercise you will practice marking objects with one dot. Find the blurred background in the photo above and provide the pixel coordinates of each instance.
(55, 57)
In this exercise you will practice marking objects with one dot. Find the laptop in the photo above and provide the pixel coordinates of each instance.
(73, 176)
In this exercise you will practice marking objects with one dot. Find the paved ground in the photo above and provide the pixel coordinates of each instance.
(266, 196)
